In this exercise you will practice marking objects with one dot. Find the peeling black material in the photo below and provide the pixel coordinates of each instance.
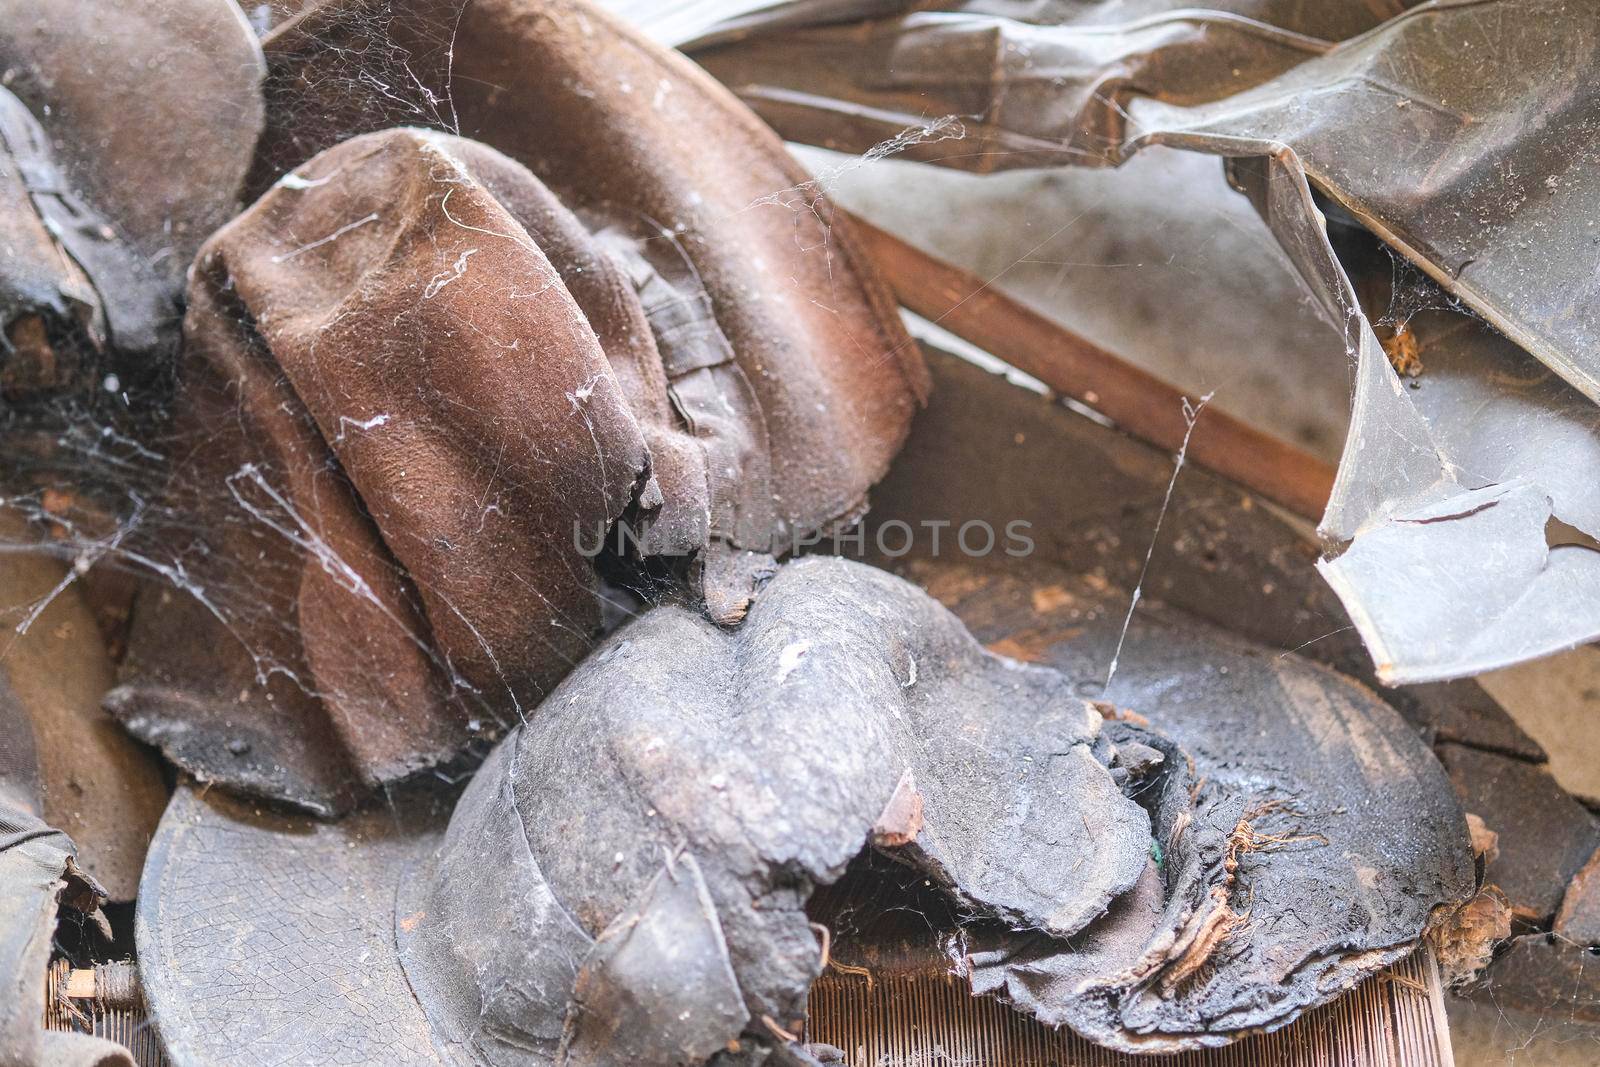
(670, 809)
(1308, 845)
(39, 876)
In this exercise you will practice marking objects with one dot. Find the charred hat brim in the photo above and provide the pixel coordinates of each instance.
(269, 937)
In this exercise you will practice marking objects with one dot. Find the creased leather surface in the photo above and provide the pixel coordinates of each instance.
(772, 757)
(406, 420)
(637, 137)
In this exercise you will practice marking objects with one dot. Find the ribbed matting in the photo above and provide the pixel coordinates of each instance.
(1395, 1019)
(128, 1027)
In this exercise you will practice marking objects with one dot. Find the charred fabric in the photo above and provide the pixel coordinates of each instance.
(332, 338)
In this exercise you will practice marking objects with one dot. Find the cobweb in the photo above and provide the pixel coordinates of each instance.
(92, 478)
(91, 473)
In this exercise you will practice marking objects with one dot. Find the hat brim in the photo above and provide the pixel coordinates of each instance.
(251, 924)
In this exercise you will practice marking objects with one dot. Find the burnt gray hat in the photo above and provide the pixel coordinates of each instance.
(625, 880)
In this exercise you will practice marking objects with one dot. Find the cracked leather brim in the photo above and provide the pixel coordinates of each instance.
(300, 919)
(275, 933)
(1309, 845)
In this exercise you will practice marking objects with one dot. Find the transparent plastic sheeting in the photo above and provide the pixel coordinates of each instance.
(1460, 534)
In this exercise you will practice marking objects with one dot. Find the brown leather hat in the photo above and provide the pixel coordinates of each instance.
(786, 355)
(421, 385)
(418, 392)
(392, 439)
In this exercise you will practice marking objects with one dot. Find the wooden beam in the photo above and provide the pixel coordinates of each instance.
(1136, 400)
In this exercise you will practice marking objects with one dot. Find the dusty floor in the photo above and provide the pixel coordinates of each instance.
(1485, 1035)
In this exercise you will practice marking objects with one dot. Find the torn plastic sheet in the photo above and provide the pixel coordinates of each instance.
(1516, 452)
(1407, 126)
(1402, 579)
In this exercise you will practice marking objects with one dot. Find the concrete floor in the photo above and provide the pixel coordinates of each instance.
(1557, 700)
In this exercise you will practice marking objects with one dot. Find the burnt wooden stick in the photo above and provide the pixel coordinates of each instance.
(1137, 401)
